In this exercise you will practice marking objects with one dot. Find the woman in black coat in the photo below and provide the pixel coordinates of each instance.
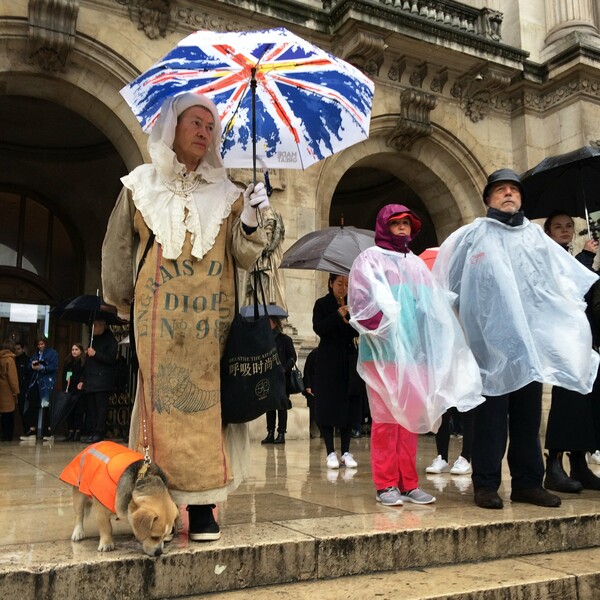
(71, 376)
(335, 407)
(570, 424)
(287, 358)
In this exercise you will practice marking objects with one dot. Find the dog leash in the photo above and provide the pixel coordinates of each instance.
(147, 459)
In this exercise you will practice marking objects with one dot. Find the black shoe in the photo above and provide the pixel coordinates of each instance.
(270, 439)
(70, 436)
(538, 496)
(356, 433)
(556, 478)
(582, 473)
(280, 439)
(28, 435)
(92, 439)
(77, 436)
(203, 527)
(488, 498)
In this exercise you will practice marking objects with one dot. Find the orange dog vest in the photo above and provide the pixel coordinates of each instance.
(97, 469)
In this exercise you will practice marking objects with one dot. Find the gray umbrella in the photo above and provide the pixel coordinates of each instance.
(332, 250)
(273, 310)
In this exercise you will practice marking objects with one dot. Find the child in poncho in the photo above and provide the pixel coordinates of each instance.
(412, 353)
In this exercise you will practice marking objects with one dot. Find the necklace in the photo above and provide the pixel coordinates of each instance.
(182, 187)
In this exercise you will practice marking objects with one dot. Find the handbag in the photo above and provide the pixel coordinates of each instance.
(252, 377)
(295, 381)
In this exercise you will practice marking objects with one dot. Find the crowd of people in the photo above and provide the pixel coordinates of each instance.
(30, 386)
(408, 348)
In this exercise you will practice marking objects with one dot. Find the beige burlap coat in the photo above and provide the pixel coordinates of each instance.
(184, 304)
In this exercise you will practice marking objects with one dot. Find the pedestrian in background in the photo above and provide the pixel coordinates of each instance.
(9, 390)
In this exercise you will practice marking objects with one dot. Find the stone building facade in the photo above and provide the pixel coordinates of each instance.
(461, 89)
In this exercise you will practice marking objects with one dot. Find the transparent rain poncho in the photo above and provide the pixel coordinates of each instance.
(416, 363)
(521, 306)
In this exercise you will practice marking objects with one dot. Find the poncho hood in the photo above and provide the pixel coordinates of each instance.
(384, 238)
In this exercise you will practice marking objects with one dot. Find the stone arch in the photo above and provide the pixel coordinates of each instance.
(439, 169)
(89, 86)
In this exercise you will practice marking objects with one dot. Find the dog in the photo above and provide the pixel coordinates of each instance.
(117, 481)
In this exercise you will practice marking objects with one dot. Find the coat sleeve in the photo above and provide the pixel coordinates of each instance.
(12, 376)
(290, 353)
(118, 251)
(245, 247)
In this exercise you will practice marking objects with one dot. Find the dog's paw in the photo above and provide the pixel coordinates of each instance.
(78, 534)
(106, 546)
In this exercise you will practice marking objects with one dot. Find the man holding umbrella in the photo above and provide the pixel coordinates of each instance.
(98, 380)
(520, 301)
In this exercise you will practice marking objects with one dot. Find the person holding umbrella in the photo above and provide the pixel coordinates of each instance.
(520, 302)
(185, 227)
(570, 426)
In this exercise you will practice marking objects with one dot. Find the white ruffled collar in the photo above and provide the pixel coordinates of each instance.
(173, 201)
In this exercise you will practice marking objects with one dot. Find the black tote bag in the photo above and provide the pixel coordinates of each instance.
(252, 377)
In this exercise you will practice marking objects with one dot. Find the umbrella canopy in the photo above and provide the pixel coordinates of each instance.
(429, 255)
(86, 308)
(279, 97)
(273, 310)
(568, 182)
(332, 250)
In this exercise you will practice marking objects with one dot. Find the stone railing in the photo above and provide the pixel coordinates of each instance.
(485, 23)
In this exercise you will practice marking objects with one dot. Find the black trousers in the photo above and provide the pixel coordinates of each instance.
(442, 437)
(7, 425)
(515, 417)
(97, 408)
(281, 416)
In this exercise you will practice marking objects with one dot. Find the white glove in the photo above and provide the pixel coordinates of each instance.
(255, 199)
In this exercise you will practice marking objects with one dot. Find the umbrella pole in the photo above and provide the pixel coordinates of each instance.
(253, 88)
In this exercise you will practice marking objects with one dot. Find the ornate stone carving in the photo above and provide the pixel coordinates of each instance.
(439, 81)
(414, 122)
(478, 91)
(491, 24)
(544, 101)
(397, 69)
(52, 27)
(364, 51)
(418, 75)
(151, 16)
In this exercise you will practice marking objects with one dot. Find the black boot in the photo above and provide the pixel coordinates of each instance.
(582, 473)
(556, 478)
(280, 439)
(202, 524)
(270, 439)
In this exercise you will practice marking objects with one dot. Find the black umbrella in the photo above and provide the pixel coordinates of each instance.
(332, 250)
(61, 406)
(567, 182)
(86, 308)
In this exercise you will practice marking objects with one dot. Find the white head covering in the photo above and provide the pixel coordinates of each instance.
(164, 190)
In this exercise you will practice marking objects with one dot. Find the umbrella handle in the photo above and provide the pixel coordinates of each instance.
(253, 88)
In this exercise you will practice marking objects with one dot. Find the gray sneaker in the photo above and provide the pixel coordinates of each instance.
(389, 497)
(417, 496)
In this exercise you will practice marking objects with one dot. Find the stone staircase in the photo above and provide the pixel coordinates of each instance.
(520, 552)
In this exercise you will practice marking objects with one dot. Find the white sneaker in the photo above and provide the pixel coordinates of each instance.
(593, 458)
(439, 465)
(461, 466)
(348, 461)
(332, 461)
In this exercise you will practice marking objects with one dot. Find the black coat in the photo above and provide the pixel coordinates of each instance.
(336, 356)
(285, 350)
(99, 371)
(75, 367)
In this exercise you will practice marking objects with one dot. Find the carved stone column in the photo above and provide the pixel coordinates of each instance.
(567, 16)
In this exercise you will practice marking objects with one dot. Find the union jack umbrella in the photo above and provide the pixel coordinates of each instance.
(279, 97)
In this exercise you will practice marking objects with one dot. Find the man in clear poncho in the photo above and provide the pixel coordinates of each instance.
(182, 222)
(520, 301)
(413, 355)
